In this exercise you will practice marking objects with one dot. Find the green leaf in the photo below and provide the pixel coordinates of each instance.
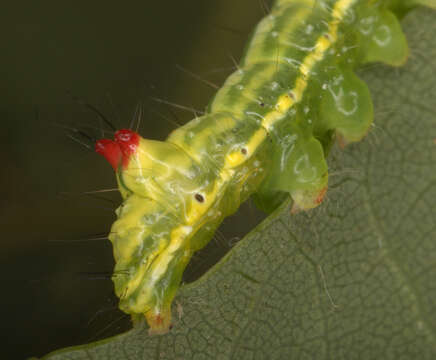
(354, 278)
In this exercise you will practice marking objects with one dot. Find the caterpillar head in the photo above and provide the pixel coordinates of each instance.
(166, 209)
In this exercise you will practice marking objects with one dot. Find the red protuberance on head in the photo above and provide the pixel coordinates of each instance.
(110, 150)
(128, 142)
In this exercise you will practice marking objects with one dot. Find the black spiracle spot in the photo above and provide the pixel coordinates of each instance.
(199, 198)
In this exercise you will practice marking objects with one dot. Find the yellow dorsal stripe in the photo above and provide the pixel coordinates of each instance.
(284, 103)
(324, 42)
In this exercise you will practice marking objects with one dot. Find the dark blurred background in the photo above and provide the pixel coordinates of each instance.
(56, 287)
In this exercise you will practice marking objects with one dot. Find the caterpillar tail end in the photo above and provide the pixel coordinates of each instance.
(159, 321)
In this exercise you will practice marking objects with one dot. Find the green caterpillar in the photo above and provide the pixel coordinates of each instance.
(265, 134)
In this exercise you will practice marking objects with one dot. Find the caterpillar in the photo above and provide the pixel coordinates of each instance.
(265, 134)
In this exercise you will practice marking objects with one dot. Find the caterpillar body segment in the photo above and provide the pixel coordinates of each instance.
(265, 134)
